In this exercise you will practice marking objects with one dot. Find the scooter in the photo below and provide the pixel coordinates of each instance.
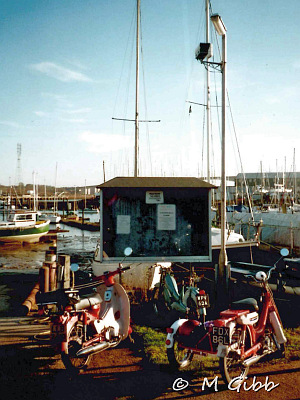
(240, 337)
(190, 301)
(86, 326)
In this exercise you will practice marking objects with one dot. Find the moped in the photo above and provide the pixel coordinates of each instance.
(84, 326)
(190, 301)
(240, 337)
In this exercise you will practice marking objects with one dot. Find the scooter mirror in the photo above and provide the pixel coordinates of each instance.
(284, 252)
(74, 267)
(127, 251)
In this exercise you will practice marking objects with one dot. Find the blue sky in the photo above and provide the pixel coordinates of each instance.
(67, 68)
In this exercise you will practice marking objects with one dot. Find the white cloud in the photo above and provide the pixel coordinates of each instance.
(60, 73)
(74, 120)
(11, 124)
(42, 114)
(104, 142)
(78, 111)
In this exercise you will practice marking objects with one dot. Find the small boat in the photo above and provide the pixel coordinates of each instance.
(23, 226)
(53, 217)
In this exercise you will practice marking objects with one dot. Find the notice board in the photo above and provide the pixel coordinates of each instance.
(165, 224)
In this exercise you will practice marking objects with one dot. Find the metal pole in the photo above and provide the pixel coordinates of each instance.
(208, 96)
(223, 272)
(136, 146)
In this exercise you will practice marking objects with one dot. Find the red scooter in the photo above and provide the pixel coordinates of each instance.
(240, 337)
(88, 325)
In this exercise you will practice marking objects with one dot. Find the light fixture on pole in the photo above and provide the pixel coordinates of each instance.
(218, 24)
(223, 273)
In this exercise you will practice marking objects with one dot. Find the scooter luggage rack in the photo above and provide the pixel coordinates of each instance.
(230, 315)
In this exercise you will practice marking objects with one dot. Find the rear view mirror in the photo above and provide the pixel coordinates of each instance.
(127, 251)
(284, 252)
(74, 267)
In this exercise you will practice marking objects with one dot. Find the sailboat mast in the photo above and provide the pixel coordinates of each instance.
(136, 145)
(208, 94)
(295, 181)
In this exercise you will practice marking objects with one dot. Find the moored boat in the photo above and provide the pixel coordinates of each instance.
(23, 226)
(53, 217)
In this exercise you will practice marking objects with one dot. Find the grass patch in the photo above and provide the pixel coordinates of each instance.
(293, 345)
(154, 344)
(153, 347)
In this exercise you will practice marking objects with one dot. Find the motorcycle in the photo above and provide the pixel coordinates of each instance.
(190, 301)
(84, 326)
(240, 337)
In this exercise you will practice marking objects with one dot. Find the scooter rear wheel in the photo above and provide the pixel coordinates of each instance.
(231, 367)
(179, 357)
(159, 304)
(75, 341)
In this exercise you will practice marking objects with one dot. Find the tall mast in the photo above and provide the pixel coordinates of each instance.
(295, 180)
(34, 198)
(55, 184)
(136, 144)
(208, 94)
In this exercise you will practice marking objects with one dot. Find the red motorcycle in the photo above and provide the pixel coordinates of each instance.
(240, 337)
(84, 326)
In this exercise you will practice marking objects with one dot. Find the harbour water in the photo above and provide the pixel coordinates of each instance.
(79, 244)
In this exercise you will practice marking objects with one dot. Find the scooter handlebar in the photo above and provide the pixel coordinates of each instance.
(254, 277)
(110, 274)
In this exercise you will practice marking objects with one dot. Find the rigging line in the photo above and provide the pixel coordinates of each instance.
(133, 120)
(124, 58)
(191, 70)
(198, 104)
(238, 149)
(203, 138)
(145, 102)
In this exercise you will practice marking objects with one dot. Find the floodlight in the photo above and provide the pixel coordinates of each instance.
(218, 24)
(204, 50)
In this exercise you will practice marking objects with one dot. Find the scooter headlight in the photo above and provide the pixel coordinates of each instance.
(261, 276)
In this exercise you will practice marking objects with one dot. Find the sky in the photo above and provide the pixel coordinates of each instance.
(68, 68)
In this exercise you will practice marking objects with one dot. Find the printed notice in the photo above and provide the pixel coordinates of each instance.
(123, 224)
(166, 217)
(153, 197)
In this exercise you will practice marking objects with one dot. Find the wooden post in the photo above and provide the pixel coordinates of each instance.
(64, 260)
(44, 278)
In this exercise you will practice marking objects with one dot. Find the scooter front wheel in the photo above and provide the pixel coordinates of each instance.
(179, 356)
(75, 341)
(158, 302)
(231, 367)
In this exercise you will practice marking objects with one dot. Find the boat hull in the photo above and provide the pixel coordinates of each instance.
(28, 234)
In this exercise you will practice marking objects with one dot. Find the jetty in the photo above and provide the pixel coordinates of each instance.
(81, 223)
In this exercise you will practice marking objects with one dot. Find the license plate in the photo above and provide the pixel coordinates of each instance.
(57, 330)
(220, 335)
(203, 300)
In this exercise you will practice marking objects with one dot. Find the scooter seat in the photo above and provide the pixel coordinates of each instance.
(88, 302)
(248, 304)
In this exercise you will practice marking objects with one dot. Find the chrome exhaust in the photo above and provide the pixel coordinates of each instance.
(254, 359)
(93, 348)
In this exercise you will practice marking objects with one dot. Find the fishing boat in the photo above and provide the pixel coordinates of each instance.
(23, 226)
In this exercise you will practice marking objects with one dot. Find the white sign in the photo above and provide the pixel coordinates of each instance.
(166, 217)
(154, 197)
(123, 224)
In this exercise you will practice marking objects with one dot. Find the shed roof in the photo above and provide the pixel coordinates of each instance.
(157, 182)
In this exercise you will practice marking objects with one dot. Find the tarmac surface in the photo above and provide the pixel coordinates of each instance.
(29, 369)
